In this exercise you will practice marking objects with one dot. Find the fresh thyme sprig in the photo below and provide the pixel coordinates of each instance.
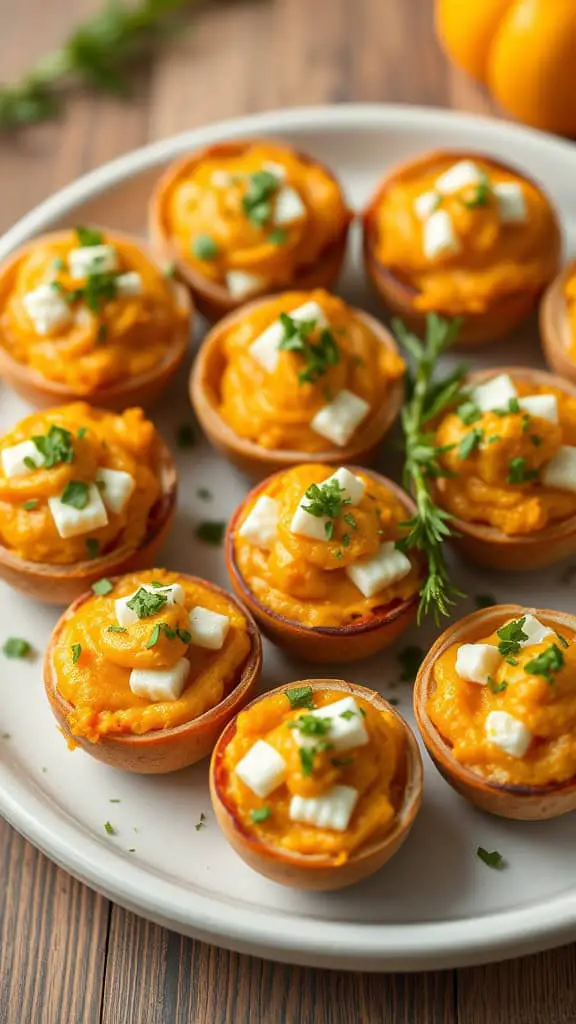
(430, 527)
(96, 54)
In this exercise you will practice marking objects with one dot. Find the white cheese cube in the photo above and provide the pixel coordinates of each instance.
(543, 406)
(262, 769)
(331, 810)
(372, 574)
(71, 522)
(338, 420)
(265, 348)
(347, 729)
(535, 630)
(241, 284)
(125, 616)
(47, 309)
(494, 394)
(288, 206)
(508, 733)
(207, 628)
(304, 524)
(221, 179)
(439, 235)
(128, 285)
(461, 175)
(118, 487)
(352, 486)
(92, 259)
(560, 471)
(511, 202)
(13, 459)
(278, 170)
(261, 524)
(426, 203)
(475, 662)
(160, 684)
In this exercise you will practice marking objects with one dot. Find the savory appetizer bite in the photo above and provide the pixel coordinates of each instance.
(315, 557)
(463, 235)
(83, 493)
(301, 377)
(316, 784)
(85, 313)
(558, 323)
(509, 452)
(495, 701)
(247, 218)
(144, 671)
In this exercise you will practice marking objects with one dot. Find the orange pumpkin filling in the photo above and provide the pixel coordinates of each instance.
(266, 212)
(95, 657)
(79, 324)
(508, 462)
(570, 296)
(486, 235)
(305, 579)
(59, 501)
(518, 727)
(374, 773)
(272, 398)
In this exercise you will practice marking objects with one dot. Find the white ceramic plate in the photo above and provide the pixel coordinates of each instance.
(435, 904)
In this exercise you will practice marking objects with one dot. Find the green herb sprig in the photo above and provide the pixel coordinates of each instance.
(430, 527)
(318, 356)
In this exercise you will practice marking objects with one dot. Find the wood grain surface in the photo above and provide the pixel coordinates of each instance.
(67, 956)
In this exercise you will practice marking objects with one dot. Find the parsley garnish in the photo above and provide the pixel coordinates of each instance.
(410, 659)
(511, 637)
(278, 236)
(256, 204)
(211, 532)
(348, 714)
(116, 629)
(481, 194)
(88, 236)
(260, 814)
(492, 860)
(300, 697)
(318, 356)
(201, 823)
(495, 687)
(311, 725)
(185, 436)
(81, 432)
(102, 587)
(109, 828)
(519, 471)
(92, 547)
(58, 263)
(169, 633)
(76, 652)
(76, 493)
(470, 442)
(562, 640)
(551, 660)
(29, 463)
(525, 422)
(28, 506)
(16, 647)
(306, 760)
(55, 446)
(204, 494)
(145, 604)
(485, 600)
(469, 413)
(205, 248)
(536, 441)
(326, 501)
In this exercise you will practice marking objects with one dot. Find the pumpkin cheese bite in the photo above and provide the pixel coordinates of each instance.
(85, 313)
(314, 556)
(461, 235)
(144, 671)
(509, 452)
(247, 218)
(495, 700)
(316, 784)
(82, 491)
(301, 376)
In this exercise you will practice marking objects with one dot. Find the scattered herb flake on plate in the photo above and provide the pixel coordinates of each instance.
(492, 859)
(211, 532)
(16, 647)
(103, 587)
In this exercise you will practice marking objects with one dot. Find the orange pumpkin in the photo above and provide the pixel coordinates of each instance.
(524, 51)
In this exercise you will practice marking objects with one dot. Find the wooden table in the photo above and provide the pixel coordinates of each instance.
(67, 955)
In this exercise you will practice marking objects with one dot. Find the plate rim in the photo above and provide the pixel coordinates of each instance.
(353, 945)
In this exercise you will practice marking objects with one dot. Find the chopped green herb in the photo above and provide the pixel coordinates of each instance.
(536, 441)
(205, 248)
(260, 814)
(481, 194)
(201, 823)
(131, 849)
(16, 647)
(525, 423)
(92, 545)
(58, 263)
(348, 714)
(185, 436)
(154, 636)
(28, 506)
(318, 356)
(262, 186)
(495, 687)
(562, 640)
(470, 442)
(341, 762)
(109, 828)
(410, 659)
(306, 760)
(76, 652)
(204, 494)
(89, 236)
(170, 270)
(492, 860)
(145, 604)
(469, 413)
(326, 501)
(211, 532)
(55, 446)
(329, 529)
(311, 725)
(350, 520)
(102, 587)
(300, 697)
(513, 405)
(81, 432)
(114, 800)
(101, 333)
(511, 637)
(278, 236)
(519, 471)
(116, 629)
(485, 600)
(76, 493)
(512, 661)
(345, 540)
(29, 463)
(551, 660)
(494, 439)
